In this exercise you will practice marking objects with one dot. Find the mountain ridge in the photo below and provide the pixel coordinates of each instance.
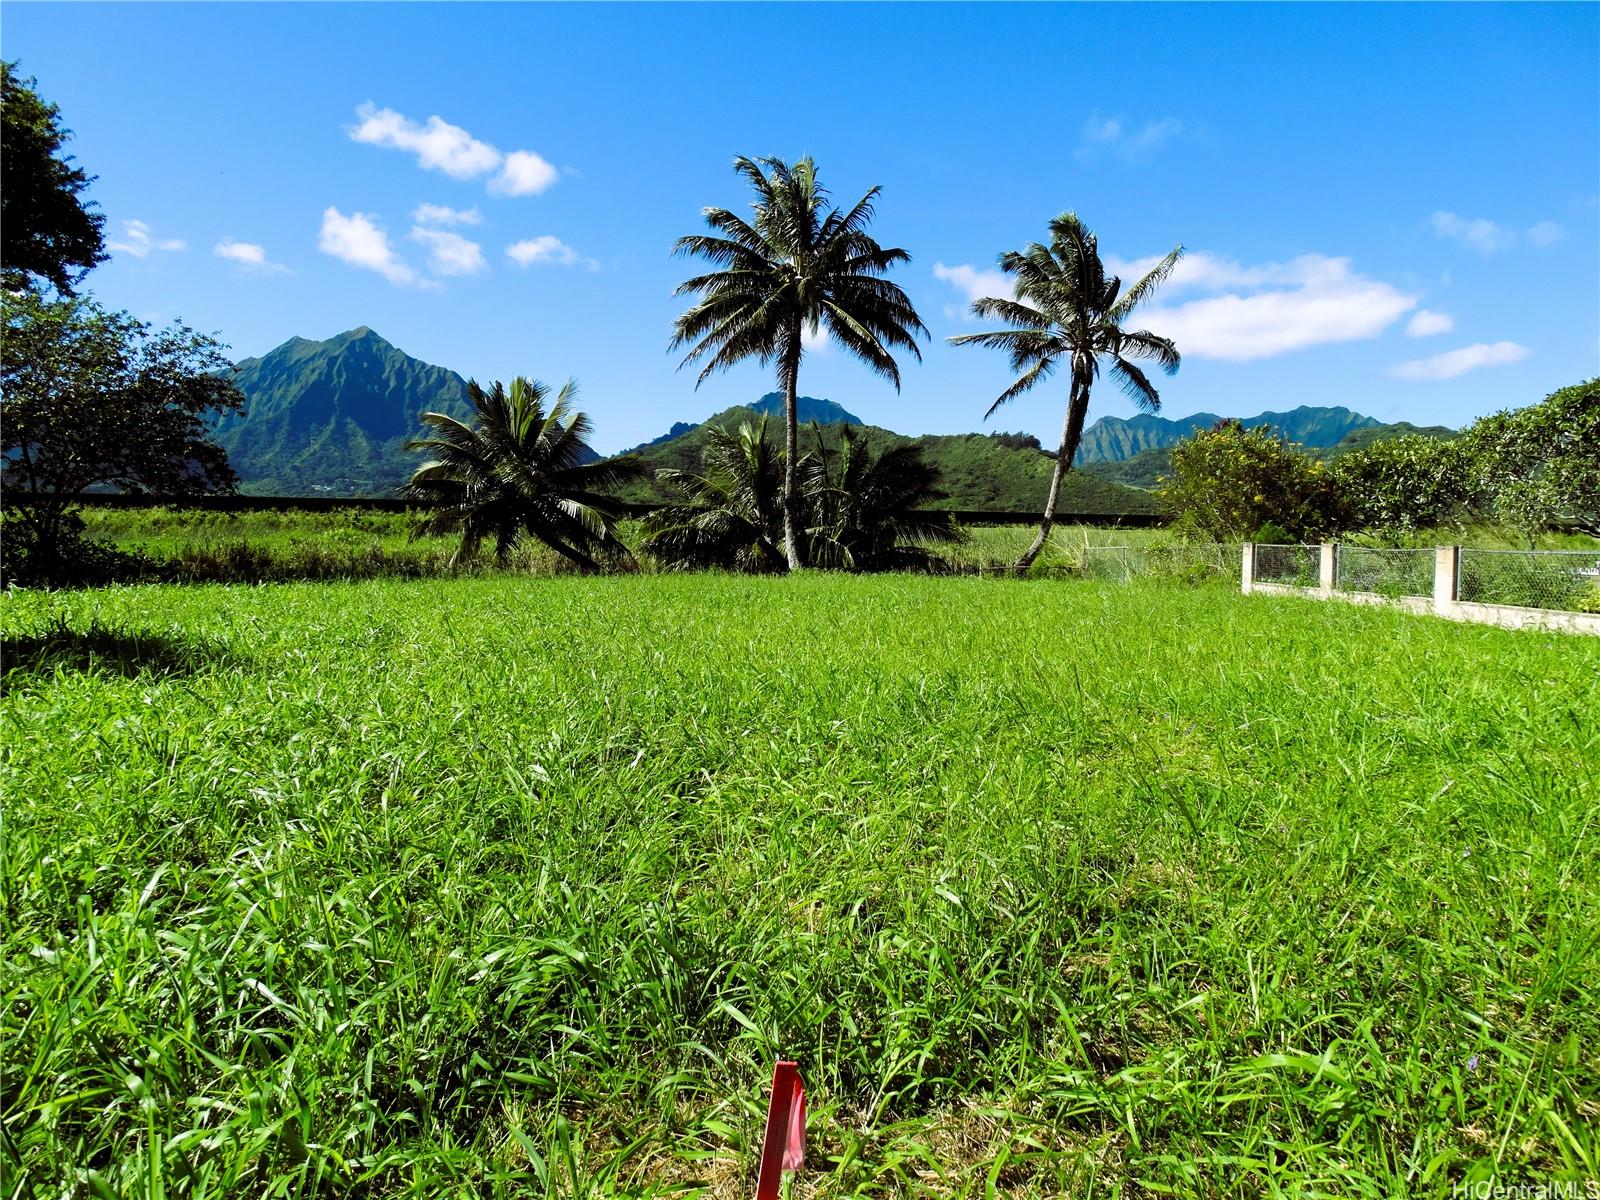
(333, 417)
(1115, 439)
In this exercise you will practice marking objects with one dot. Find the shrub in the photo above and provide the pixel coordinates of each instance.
(1228, 482)
(1405, 483)
(1540, 465)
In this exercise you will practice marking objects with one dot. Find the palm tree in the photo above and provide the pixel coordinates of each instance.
(731, 514)
(1066, 308)
(520, 470)
(869, 510)
(797, 266)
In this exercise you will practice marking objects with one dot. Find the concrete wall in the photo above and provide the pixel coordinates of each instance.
(1443, 602)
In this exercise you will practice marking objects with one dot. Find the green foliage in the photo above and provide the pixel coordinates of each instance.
(869, 507)
(1539, 465)
(859, 505)
(1230, 482)
(1067, 311)
(730, 513)
(519, 471)
(798, 266)
(1405, 483)
(472, 888)
(91, 398)
(47, 231)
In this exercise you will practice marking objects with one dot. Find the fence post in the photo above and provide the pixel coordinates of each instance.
(1446, 579)
(1325, 569)
(1247, 569)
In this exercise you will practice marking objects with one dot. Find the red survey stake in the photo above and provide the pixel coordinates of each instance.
(784, 1147)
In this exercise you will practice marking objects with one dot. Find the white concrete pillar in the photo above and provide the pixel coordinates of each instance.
(1325, 569)
(1446, 578)
(1247, 569)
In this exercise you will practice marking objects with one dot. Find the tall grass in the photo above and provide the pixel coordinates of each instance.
(503, 886)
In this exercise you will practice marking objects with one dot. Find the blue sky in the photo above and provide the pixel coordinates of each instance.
(1393, 208)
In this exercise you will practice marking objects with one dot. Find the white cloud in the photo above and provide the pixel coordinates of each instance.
(450, 253)
(1546, 233)
(1425, 323)
(361, 242)
(816, 343)
(139, 243)
(1484, 236)
(1266, 310)
(1257, 311)
(524, 174)
(443, 214)
(441, 146)
(1479, 233)
(1130, 142)
(546, 250)
(252, 259)
(438, 145)
(1454, 363)
(973, 284)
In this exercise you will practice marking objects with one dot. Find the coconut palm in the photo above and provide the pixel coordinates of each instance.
(521, 470)
(869, 508)
(1067, 310)
(798, 266)
(731, 513)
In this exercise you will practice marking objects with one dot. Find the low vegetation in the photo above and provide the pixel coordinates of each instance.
(477, 887)
(1532, 469)
(861, 508)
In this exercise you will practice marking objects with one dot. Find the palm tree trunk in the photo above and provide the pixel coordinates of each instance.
(791, 455)
(1071, 435)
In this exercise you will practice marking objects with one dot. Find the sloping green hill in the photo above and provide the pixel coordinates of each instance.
(807, 409)
(1000, 472)
(332, 417)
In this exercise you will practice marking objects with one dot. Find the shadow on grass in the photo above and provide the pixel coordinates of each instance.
(98, 648)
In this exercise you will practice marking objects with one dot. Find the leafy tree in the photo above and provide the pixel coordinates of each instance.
(731, 512)
(869, 509)
(1067, 310)
(1404, 483)
(1229, 482)
(522, 470)
(46, 230)
(91, 398)
(798, 266)
(1540, 465)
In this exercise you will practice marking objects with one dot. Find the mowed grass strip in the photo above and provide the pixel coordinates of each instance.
(507, 886)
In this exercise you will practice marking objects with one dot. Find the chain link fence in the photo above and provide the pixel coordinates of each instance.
(1383, 572)
(1296, 566)
(1567, 580)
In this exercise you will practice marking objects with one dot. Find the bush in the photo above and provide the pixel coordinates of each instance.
(1404, 484)
(1228, 482)
(1540, 465)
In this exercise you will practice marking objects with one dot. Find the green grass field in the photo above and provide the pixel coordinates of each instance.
(508, 886)
(191, 546)
(251, 547)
